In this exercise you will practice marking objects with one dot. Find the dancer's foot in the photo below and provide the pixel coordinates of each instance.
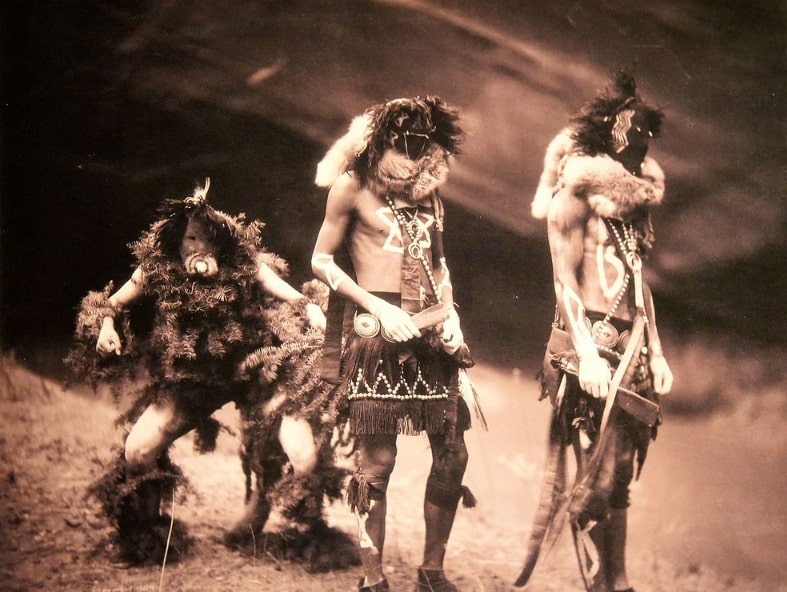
(434, 580)
(381, 586)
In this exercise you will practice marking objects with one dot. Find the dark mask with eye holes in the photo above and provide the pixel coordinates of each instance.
(409, 133)
(197, 249)
(617, 123)
(631, 136)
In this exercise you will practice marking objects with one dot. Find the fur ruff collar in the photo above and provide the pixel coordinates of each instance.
(611, 191)
(342, 152)
(394, 174)
(398, 175)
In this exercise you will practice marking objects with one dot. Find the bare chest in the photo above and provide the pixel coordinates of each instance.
(381, 230)
(605, 273)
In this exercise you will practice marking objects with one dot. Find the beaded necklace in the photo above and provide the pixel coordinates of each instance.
(629, 248)
(414, 249)
(627, 244)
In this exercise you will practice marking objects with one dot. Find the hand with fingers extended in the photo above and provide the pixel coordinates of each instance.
(396, 324)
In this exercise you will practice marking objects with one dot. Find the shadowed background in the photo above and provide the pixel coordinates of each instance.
(110, 107)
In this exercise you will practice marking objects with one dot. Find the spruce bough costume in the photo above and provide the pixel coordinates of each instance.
(226, 328)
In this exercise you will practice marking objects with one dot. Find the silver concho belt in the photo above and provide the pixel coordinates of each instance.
(606, 335)
(366, 325)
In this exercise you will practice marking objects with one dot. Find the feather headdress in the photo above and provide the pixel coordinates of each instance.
(594, 127)
(380, 127)
(616, 124)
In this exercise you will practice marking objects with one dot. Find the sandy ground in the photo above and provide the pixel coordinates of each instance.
(705, 517)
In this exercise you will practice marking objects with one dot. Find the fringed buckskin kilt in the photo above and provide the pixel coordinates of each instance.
(402, 388)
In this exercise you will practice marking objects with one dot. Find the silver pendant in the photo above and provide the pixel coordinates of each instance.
(415, 250)
(634, 261)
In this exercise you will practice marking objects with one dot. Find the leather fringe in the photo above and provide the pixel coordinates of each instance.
(358, 494)
(408, 417)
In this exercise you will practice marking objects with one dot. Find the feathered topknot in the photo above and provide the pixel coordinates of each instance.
(592, 127)
(225, 231)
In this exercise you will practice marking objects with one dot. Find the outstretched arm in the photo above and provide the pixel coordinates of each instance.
(567, 220)
(279, 288)
(338, 215)
(108, 338)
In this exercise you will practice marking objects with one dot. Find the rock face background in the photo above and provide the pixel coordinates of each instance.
(111, 106)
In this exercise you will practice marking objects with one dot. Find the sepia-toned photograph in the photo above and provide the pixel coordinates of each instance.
(393, 295)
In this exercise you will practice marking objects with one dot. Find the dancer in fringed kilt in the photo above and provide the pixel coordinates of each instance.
(402, 351)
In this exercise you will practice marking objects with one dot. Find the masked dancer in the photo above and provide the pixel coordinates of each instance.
(604, 367)
(226, 328)
(403, 352)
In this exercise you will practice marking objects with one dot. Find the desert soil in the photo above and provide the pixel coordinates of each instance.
(704, 517)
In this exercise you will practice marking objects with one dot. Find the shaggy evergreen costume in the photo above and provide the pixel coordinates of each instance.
(292, 366)
(215, 338)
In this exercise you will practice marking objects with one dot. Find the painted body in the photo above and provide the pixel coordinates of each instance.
(382, 204)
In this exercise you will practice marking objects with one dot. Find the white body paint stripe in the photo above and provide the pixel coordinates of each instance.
(334, 275)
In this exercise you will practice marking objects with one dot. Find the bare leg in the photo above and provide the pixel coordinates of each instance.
(139, 509)
(615, 546)
(372, 538)
(295, 435)
(155, 430)
(439, 522)
(297, 440)
(448, 468)
(443, 491)
(377, 455)
(617, 518)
